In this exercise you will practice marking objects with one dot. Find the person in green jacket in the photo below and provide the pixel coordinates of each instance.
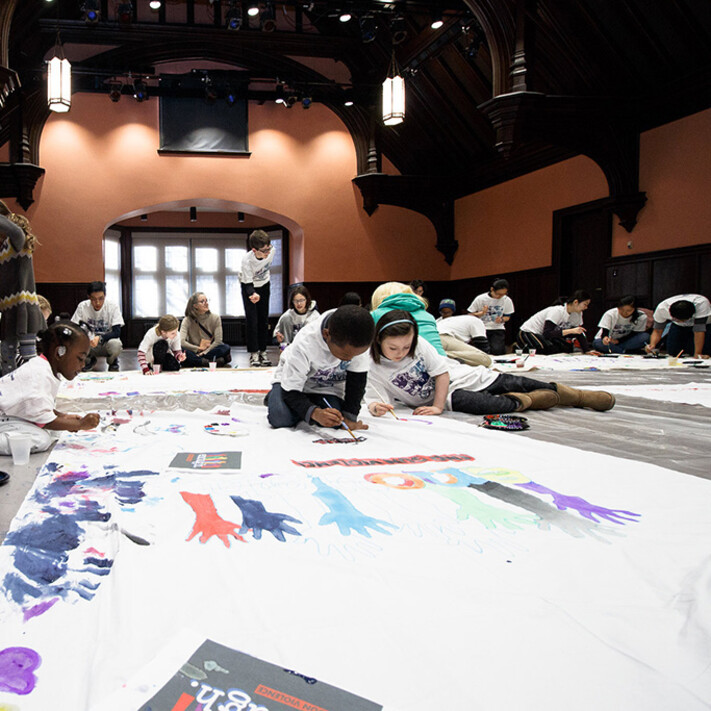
(394, 295)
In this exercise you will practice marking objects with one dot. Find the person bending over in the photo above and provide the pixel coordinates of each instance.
(321, 376)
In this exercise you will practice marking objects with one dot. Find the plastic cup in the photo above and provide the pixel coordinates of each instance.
(213, 365)
(532, 351)
(156, 369)
(519, 363)
(518, 351)
(20, 445)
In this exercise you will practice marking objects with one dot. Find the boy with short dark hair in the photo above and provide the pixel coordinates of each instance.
(323, 373)
(254, 278)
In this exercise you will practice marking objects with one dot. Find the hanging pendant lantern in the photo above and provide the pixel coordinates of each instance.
(393, 96)
(59, 80)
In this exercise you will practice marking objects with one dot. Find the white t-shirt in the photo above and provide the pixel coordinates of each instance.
(255, 271)
(30, 392)
(619, 326)
(497, 307)
(307, 366)
(151, 338)
(557, 314)
(99, 321)
(464, 327)
(411, 380)
(701, 303)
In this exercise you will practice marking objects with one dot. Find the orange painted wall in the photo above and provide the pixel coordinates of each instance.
(675, 172)
(509, 227)
(101, 164)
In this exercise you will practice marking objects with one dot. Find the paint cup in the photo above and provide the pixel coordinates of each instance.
(156, 369)
(20, 445)
(213, 365)
(532, 351)
(519, 363)
(518, 351)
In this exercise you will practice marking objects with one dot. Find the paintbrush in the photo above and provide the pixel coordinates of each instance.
(377, 392)
(343, 424)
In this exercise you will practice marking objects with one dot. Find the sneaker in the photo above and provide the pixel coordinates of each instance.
(254, 360)
(113, 367)
(89, 364)
(264, 361)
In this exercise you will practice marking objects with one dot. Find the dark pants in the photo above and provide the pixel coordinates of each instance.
(257, 318)
(280, 414)
(682, 338)
(497, 341)
(193, 360)
(547, 346)
(493, 400)
(163, 356)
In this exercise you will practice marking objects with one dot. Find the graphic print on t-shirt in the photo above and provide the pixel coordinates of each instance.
(415, 381)
(325, 377)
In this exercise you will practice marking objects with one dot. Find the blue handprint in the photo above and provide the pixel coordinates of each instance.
(344, 514)
(256, 517)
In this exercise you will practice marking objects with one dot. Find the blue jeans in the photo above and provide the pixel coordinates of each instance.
(682, 338)
(634, 342)
(280, 414)
(193, 360)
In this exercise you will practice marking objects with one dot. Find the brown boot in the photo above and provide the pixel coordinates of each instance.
(524, 401)
(595, 399)
(539, 399)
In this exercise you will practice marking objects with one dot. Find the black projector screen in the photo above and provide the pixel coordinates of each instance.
(190, 124)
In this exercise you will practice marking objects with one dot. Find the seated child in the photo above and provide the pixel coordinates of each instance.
(322, 375)
(28, 394)
(409, 370)
(557, 328)
(463, 337)
(302, 311)
(622, 329)
(161, 346)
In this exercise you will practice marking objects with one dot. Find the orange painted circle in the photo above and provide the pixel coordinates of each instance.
(405, 481)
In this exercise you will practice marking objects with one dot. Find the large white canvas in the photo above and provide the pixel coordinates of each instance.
(416, 592)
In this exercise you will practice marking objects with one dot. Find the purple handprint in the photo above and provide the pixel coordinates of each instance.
(344, 514)
(256, 517)
(583, 507)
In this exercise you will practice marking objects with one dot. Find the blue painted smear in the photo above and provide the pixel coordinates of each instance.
(257, 518)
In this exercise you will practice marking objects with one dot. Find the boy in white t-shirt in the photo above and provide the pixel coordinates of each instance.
(103, 318)
(494, 308)
(463, 337)
(689, 320)
(254, 279)
(322, 374)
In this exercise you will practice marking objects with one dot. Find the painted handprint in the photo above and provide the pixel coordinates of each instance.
(208, 522)
(583, 507)
(344, 514)
(258, 519)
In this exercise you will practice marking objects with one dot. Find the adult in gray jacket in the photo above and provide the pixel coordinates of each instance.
(201, 335)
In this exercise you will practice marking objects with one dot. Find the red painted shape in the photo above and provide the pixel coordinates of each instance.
(183, 702)
(207, 521)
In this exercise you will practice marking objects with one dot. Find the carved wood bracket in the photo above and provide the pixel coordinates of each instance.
(413, 193)
(593, 127)
(18, 180)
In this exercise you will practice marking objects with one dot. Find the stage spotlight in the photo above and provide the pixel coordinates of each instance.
(193, 214)
(140, 90)
(90, 12)
(345, 16)
(306, 102)
(368, 29)
(398, 29)
(437, 21)
(144, 218)
(279, 91)
(240, 217)
(233, 18)
(155, 4)
(124, 13)
(267, 18)
(115, 91)
(253, 9)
